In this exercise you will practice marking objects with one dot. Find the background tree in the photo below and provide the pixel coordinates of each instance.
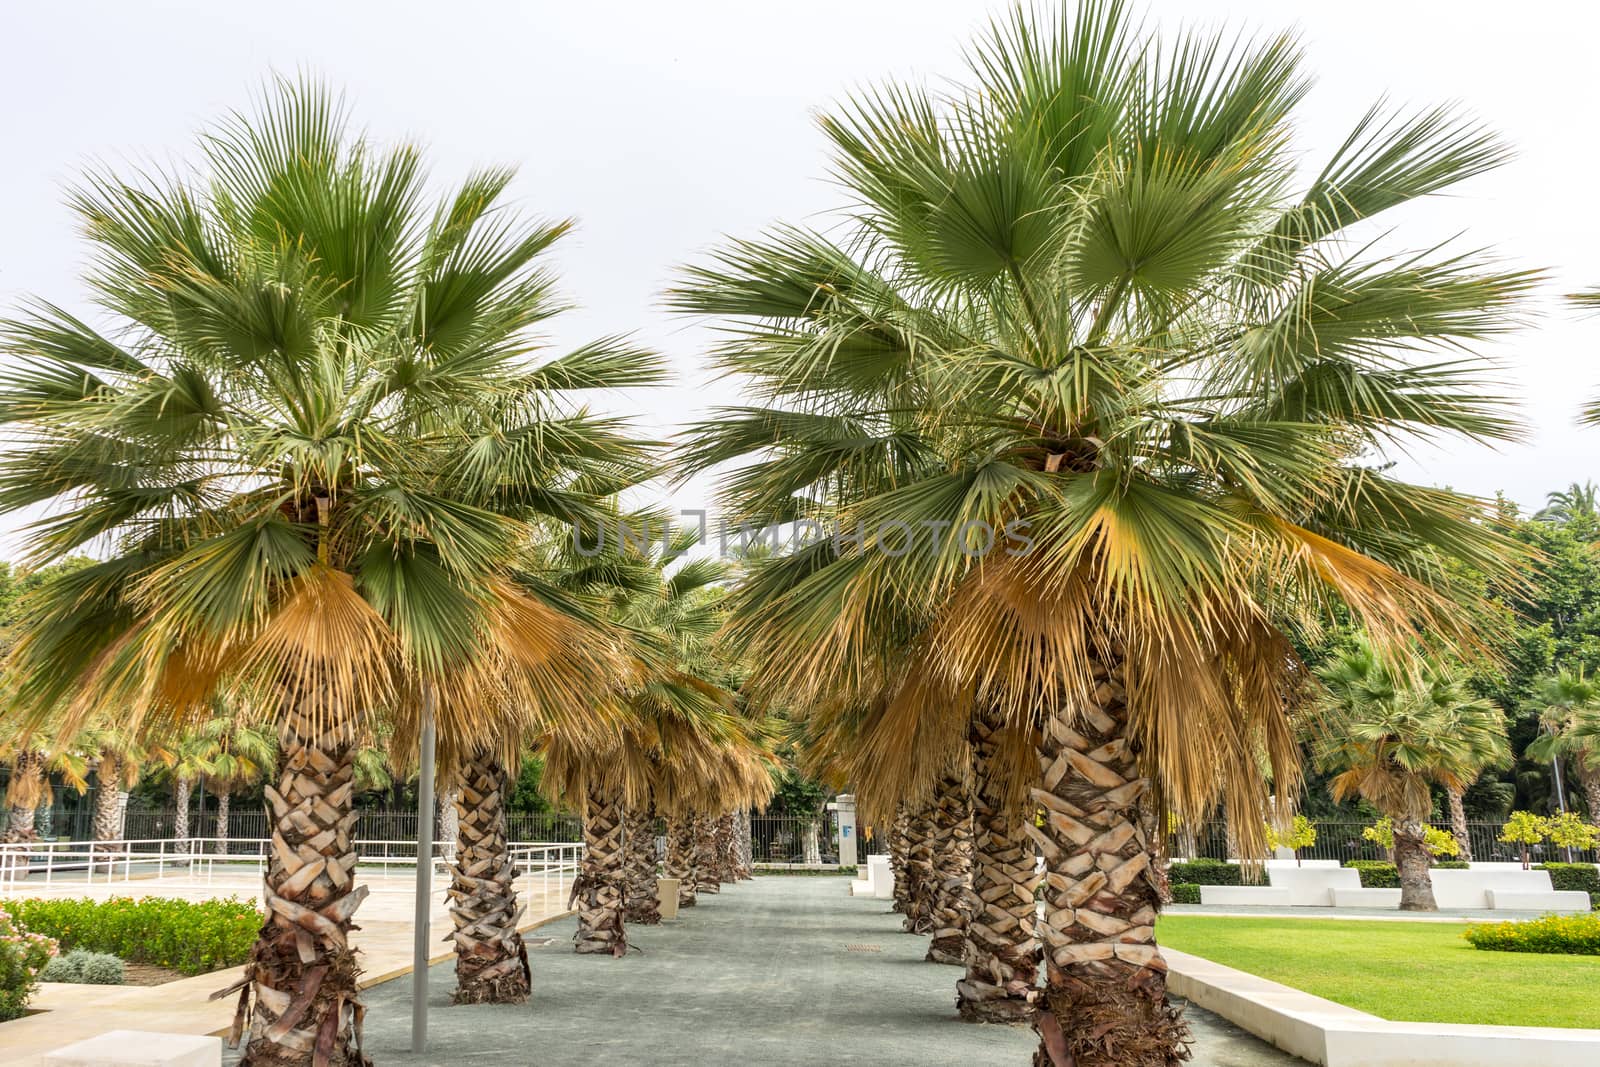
(1568, 706)
(1392, 738)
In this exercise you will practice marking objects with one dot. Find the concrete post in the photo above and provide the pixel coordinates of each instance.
(845, 805)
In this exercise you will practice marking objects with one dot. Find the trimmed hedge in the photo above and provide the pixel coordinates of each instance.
(1575, 935)
(1376, 874)
(1584, 877)
(191, 937)
(1185, 893)
(1381, 874)
(1204, 872)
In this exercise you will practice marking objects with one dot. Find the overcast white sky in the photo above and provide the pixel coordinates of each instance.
(662, 126)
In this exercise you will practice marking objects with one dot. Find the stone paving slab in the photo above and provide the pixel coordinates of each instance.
(762, 973)
(69, 1013)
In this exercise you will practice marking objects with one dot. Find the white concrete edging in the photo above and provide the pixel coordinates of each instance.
(1336, 1036)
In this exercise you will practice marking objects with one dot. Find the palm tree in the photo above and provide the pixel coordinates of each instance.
(1589, 299)
(1575, 503)
(307, 445)
(186, 765)
(679, 745)
(36, 752)
(1392, 738)
(1080, 391)
(118, 759)
(1568, 704)
(237, 750)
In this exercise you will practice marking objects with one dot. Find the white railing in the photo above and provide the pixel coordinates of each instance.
(29, 866)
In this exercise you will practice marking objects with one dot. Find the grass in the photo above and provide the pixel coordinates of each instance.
(1401, 971)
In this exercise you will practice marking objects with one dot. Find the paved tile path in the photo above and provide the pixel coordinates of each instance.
(71, 1013)
(762, 973)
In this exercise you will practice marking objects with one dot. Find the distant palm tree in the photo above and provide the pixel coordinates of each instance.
(237, 749)
(1568, 705)
(1392, 737)
(1093, 395)
(1589, 299)
(117, 758)
(1573, 504)
(308, 452)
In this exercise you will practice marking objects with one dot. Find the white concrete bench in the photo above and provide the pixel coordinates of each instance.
(1562, 900)
(881, 875)
(139, 1048)
(1253, 895)
(1312, 887)
(1366, 898)
(1453, 888)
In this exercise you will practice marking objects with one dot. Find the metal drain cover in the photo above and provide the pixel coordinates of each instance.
(863, 948)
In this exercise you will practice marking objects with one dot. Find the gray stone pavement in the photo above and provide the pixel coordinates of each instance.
(780, 970)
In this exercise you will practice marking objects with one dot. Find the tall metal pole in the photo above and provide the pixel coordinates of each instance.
(419, 951)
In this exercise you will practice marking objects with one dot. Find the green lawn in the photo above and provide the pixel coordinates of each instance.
(1406, 972)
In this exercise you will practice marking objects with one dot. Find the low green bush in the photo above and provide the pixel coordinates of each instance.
(1185, 893)
(1584, 877)
(23, 955)
(1205, 872)
(1576, 935)
(83, 967)
(188, 936)
(1376, 874)
(1381, 874)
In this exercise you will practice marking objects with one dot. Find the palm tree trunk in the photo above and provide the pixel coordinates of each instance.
(727, 848)
(639, 854)
(1458, 823)
(746, 855)
(491, 960)
(450, 822)
(810, 847)
(302, 971)
(680, 857)
(707, 879)
(180, 817)
(27, 777)
(952, 869)
(1411, 859)
(1105, 998)
(899, 846)
(1589, 778)
(599, 889)
(1159, 859)
(224, 801)
(919, 873)
(107, 826)
(1001, 954)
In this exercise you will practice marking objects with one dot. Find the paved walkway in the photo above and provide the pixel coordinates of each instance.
(781, 970)
(69, 1013)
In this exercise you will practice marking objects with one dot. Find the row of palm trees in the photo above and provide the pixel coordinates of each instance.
(227, 751)
(1091, 390)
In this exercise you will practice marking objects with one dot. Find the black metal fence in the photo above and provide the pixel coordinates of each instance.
(794, 838)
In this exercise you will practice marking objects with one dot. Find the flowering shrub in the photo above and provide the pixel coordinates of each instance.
(23, 955)
(1437, 842)
(188, 936)
(1577, 935)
